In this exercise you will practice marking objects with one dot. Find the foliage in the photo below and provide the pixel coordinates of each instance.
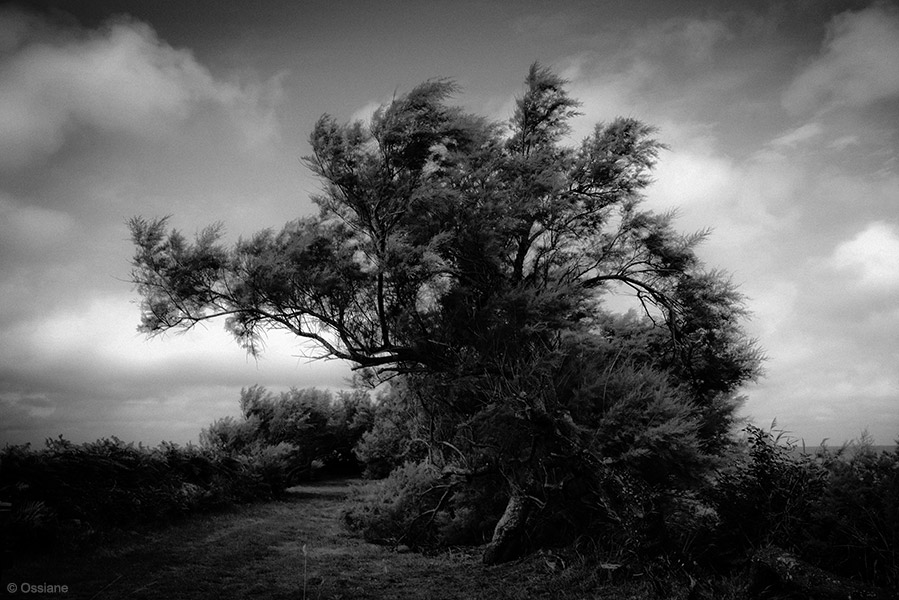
(310, 430)
(75, 491)
(270, 466)
(856, 529)
(398, 509)
(419, 506)
(768, 496)
(474, 260)
(396, 436)
(837, 509)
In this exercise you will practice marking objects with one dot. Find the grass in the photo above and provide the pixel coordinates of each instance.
(297, 549)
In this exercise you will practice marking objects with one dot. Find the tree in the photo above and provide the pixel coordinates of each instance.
(473, 260)
(318, 426)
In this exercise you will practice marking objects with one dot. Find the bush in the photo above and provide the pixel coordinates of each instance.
(76, 491)
(472, 512)
(392, 440)
(30, 527)
(229, 434)
(401, 508)
(321, 429)
(271, 467)
(768, 496)
(838, 510)
(420, 506)
(857, 522)
(382, 449)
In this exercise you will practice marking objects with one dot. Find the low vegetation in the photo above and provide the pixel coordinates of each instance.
(74, 494)
(835, 509)
(474, 273)
(314, 431)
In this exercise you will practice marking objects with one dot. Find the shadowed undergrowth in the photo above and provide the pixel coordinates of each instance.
(297, 548)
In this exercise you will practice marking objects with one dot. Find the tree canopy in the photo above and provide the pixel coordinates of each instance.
(474, 260)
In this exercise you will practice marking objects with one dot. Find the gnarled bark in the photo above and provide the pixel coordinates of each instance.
(508, 536)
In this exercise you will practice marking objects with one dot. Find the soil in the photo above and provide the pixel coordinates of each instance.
(293, 548)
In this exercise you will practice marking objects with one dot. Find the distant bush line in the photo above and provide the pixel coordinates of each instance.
(73, 494)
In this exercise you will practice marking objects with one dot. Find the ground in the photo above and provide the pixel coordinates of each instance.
(295, 548)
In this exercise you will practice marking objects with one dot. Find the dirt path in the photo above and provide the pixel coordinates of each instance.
(258, 551)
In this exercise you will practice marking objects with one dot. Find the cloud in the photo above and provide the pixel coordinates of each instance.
(25, 229)
(365, 112)
(552, 24)
(844, 142)
(800, 209)
(679, 74)
(102, 124)
(833, 349)
(858, 65)
(871, 256)
(822, 301)
(96, 126)
(803, 133)
(85, 371)
(57, 78)
(692, 39)
(63, 351)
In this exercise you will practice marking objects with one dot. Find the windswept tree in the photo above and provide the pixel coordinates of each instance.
(475, 260)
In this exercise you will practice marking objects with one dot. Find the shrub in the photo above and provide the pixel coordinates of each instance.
(230, 435)
(401, 508)
(351, 416)
(392, 439)
(767, 496)
(89, 488)
(271, 467)
(381, 449)
(31, 526)
(322, 429)
(857, 524)
(420, 506)
(838, 510)
(472, 512)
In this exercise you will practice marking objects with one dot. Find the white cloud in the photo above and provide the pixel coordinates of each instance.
(779, 195)
(748, 205)
(648, 70)
(97, 126)
(690, 176)
(120, 78)
(844, 142)
(64, 342)
(859, 63)
(803, 133)
(872, 255)
(86, 364)
(829, 341)
(365, 112)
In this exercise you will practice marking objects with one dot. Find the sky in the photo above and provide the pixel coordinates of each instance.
(781, 121)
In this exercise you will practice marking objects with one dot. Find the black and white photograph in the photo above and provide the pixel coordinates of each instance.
(310, 299)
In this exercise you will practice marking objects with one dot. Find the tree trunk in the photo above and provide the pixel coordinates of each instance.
(509, 534)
